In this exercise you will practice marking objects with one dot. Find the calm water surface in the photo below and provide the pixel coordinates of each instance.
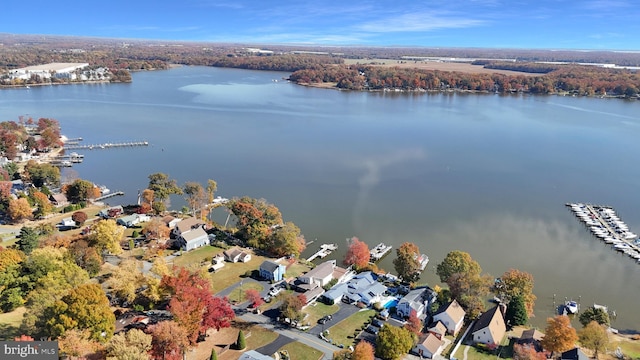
(486, 174)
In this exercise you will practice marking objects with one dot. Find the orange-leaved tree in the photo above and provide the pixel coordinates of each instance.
(559, 336)
(357, 254)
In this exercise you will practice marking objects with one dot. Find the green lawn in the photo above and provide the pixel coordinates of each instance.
(300, 351)
(197, 256)
(10, 322)
(238, 294)
(346, 328)
(297, 269)
(260, 337)
(231, 273)
(318, 310)
(630, 348)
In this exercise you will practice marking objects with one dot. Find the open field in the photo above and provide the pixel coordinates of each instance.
(231, 273)
(197, 256)
(10, 322)
(432, 65)
(341, 331)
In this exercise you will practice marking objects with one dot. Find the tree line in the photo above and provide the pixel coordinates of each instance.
(574, 79)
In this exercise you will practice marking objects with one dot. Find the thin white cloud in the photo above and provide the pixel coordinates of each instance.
(151, 28)
(419, 22)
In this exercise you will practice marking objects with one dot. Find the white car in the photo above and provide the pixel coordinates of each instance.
(275, 291)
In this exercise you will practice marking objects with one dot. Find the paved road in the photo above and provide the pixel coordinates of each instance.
(279, 342)
(305, 338)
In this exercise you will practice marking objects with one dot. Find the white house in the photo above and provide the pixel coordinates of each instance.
(186, 225)
(490, 327)
(193, 239)
(416, 300)
(451, 316)
(235, 255)
(321, 275)
(67, 222)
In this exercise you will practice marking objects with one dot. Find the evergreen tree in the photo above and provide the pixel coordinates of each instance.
(240, 342)
(214, 354)
(516, 311)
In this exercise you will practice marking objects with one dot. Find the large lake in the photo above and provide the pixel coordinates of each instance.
(486, 174)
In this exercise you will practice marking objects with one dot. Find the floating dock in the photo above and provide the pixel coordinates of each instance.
(380, 251)
(604, 223)
(325, 250)
(107, 145)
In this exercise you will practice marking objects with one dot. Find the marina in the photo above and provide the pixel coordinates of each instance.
(380, 251)
(604, 223)
(325, 250)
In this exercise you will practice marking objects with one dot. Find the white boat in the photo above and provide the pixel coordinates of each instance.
(571, 306)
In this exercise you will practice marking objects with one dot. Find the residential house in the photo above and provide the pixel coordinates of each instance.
(193, 239)
(451, 316)
(574, 354)
(335, 294)
(59, 200)
(364, 288)
(235, 255)
(112, 212)
(490, 327)
(428, 346)
(271, 270)
(531, 337)
(186, 225)
(417, 300)
(321, 275)
(133, 219)
(253, 355)
(67, 222)
(438, 329)
(313, 294)
(171, 221)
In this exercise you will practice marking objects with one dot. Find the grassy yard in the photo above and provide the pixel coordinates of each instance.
(238, 294)
(197, 256)
(10, 322)
(342, 332)
(296, 269)
(300, 351)
(318, 310)
(630, 348)
(231, 273)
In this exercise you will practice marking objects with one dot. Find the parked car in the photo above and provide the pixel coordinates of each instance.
(324, 319)
(275, 291)
(372, 329)
(377, 323)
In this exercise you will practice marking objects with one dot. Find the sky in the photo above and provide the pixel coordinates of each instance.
(523, 24)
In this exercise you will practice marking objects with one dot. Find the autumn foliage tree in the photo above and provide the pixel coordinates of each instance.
(253, 296)
(413, 323)
(19, 209)
(363, 351)
(559, 336)
(594, 337)
(292, 305)
(393, 342)
(169, 340)
(466, 283)
(106, 235)
(516, 283)
(406, 262)
(357, 254)
(79, 217)
(193, 305)
(527, 352)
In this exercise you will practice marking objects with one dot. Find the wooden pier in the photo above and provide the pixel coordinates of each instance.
(109, 195)
(325, 250)
(107, 145)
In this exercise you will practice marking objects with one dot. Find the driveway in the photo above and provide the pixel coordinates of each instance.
(344, 312)
(295, 335)
(271, 348)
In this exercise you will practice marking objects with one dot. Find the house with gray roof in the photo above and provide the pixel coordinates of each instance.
(361, 288)
(417, 300)
(193, 239)
(271, 270)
